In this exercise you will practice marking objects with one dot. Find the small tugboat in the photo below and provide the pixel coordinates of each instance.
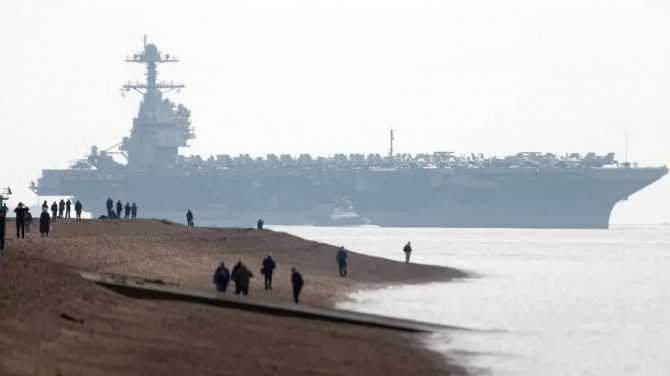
(344, 214)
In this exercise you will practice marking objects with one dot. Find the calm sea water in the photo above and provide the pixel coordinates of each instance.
(543, 302)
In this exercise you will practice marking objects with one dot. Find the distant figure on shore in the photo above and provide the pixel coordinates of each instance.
(189, 218)
(68, 205)
(297, 283)
(110, 207)
(341, 258)
(3, 216)
(408, 252)
(61, 208)
(45, 223)
(45, 205)
(28, 222)
(259, 224)
(77, 209)
(221, 277)
(133, 211)
(21, 211)
(267, 270)
(126, 211)
(241, 277)
(119, 209)
(54, 210)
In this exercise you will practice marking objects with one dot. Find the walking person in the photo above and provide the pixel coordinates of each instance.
(119, 208)
(221, 277)
(77, 209)
(341, 258)
(189, 218)
(127, 211)
(267, 270)
(408, 252)
(45, 223)
(68, 204)
(54, 210)
(241, 277)
(297, 282)
(133, 211)
(21, 220)
(61, 208)
(3, 216)
(45, 205)
(28, 222)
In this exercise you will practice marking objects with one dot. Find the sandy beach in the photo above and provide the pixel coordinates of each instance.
(53, 322)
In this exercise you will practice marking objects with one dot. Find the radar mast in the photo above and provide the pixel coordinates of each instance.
(161, 127)
(151, 57)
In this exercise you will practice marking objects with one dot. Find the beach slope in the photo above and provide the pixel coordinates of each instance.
(54, 322)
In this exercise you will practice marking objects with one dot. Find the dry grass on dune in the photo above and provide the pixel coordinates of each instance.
(188, 256)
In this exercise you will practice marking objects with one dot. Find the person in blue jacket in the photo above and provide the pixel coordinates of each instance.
(221, 278)
(341, 258)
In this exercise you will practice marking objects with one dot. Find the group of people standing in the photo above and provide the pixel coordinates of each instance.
(130, 211)
(24, 222)
(241, 275)
(62, 209)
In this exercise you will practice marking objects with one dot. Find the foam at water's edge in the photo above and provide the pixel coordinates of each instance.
(364, 302)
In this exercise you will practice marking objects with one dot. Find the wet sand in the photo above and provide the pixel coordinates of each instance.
(53, 322)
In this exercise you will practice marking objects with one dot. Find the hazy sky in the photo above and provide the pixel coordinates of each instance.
(320, 77)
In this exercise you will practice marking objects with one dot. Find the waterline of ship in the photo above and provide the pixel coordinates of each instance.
(561, 302)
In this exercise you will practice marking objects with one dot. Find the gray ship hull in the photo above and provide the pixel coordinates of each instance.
(505, 198)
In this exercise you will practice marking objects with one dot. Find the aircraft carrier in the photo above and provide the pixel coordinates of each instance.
(436, 189)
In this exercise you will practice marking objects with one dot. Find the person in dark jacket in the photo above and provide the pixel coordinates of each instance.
(3, 216)
(259, 224)
(236, 267)
(54, 210)
(189, 218)
(341, 258)
(21, 220)
(119, 209)
(45, 223)
(110, 207)
(241, 278)
(61, 208)
(221, 278)
(127, 210)
(77, 209)
(68, 205)
(297, 283)
(408, 252)
(267, 270)
(45, 205)
(133, 211)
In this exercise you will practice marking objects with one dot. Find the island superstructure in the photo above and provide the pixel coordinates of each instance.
(436, 189)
